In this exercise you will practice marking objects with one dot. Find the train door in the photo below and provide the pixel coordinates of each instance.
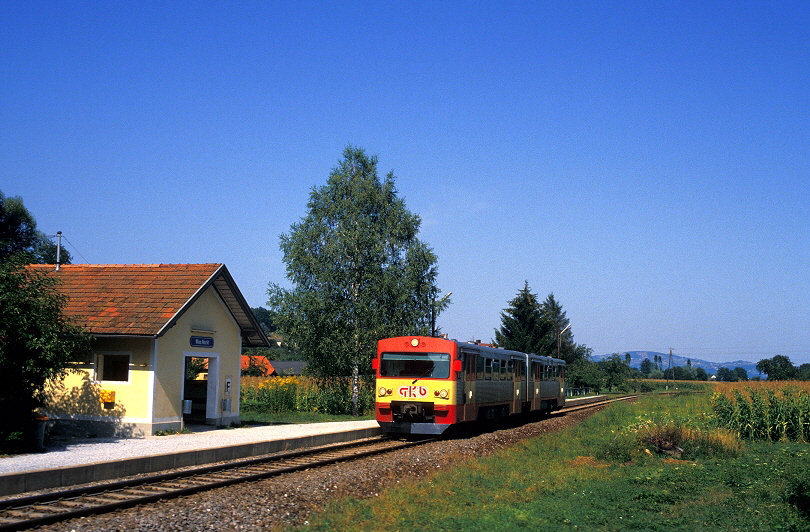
(536, 374)
(467, 387)
(521, 384)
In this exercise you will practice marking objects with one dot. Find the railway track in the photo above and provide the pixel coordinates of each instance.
(592, 404)
(49, 508)
(37, 510)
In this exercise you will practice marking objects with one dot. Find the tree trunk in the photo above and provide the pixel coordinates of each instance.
(355, 389)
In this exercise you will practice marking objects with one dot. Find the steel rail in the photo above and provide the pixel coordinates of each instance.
(592, 404)
(48, 508)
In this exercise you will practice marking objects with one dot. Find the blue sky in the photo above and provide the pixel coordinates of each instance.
(647, 162)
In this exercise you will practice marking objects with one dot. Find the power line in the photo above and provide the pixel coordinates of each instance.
(76, 250)
(72, 246)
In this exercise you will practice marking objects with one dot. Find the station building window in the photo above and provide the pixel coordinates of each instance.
(112, 367)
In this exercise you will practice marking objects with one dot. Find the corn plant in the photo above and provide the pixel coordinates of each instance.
(765, 413)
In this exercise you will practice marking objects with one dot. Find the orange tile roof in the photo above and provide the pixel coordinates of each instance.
(128, 299)
(260, 360)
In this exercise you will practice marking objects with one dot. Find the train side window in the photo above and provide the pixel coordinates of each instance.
(479, 367)
(470, 366)
(496, 370)
(488, 369)
(510, 370)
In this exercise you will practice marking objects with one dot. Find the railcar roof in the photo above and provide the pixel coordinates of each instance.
(468, 346)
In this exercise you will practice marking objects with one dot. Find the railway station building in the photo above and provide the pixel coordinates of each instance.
(167, 347)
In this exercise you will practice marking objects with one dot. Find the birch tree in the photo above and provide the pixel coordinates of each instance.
(358, 271)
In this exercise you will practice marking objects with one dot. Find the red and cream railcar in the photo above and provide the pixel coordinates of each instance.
(426, 385)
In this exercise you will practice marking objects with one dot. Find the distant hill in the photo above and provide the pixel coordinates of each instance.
(711, 367)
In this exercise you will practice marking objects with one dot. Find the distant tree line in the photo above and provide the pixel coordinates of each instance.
(780, 368)
(614, 372)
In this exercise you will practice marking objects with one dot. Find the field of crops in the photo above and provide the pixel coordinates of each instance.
(770, 411)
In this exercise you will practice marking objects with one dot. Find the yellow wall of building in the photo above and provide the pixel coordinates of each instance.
(208, 317)
(81, 396)
(151, 398)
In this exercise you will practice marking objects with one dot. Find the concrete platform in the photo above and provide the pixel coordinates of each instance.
(86, 461)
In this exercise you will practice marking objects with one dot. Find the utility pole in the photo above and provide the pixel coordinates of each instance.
(559, 340)
(433, 306)
(670, 369)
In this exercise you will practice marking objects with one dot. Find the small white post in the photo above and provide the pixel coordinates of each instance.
(58, 248)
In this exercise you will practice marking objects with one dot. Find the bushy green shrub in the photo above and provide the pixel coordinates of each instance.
(305, 394)
(797, 493)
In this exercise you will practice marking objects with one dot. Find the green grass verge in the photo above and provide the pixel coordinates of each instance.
(617, 471)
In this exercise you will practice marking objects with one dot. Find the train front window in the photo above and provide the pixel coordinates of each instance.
(422, 365)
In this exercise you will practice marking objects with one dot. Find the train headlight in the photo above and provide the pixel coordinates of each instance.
(383, 392)
(444, 394)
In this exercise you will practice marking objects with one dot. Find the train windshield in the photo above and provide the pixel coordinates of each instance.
(422, 365)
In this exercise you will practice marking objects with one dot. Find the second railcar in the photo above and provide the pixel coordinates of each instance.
(425, 385)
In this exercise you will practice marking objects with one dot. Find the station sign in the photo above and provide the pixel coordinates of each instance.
(202, 341)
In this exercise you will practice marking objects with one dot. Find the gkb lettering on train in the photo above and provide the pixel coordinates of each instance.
(412, 391)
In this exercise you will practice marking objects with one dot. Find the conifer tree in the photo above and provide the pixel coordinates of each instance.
(523, 327)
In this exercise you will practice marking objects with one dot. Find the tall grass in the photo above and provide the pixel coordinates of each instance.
(304, 394)
(776, 411)
(652, 385)
(684, 430)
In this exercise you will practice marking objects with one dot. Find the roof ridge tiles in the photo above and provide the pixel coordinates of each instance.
(150, 265)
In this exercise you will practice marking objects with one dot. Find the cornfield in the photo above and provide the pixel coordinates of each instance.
(765, 411)
(304, 394)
